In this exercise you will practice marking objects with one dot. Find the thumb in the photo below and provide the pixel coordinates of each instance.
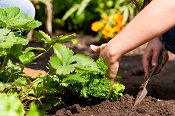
(95, 48)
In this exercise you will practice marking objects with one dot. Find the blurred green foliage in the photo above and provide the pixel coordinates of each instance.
(78, 15)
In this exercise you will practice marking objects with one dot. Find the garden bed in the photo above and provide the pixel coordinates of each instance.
(159, 101)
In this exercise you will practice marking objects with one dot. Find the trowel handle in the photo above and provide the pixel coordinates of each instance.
(160, 57)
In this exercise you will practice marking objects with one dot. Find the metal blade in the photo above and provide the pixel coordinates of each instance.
(142, 92)
(144, 88)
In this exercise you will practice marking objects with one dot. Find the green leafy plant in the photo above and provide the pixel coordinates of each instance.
(88, 78)
(8, 101)
(7, 105)
(67, 72)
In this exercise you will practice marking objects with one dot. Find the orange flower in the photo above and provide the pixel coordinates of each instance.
(108, 32)
(118, 18)
(109, 29)
(96, 26)
(116, 28)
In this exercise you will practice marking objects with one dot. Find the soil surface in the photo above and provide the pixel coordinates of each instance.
(160, 100)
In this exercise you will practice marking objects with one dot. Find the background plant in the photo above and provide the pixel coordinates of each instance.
(108, 27)
(78, 15)
(44, 8)
(8, 101)
(115, 14)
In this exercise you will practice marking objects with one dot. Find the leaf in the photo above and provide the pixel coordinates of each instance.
(84, 63)
(55, 62)
(63, 53)
(125, 15)
(42, 37)
(27, 58)
(96, 86)
(7, 103)
(4, 32)
(16, 49)
(32, 24)
(61, 39)
(33, 111)
(83, 5)
(13, 19)
(102, 66)
(28, 49)
(7, 41)
(116, 91)
(7, 14)
(64, 62)
(21, 40)
(72, 79)
(4, 51)
(11, 12)
(73, 9)
(21, 81)
(63, 70)
(61, 59)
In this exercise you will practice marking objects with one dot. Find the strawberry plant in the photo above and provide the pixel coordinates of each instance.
(67, 72)
(8, 101)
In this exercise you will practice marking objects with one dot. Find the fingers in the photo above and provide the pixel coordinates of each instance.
(112, 67)
(165, 58)
(97, 49)
(151, 58)
(155, 57)
(146, 58)
(112, 72)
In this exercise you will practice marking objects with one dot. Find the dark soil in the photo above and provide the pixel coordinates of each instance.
(160, 101)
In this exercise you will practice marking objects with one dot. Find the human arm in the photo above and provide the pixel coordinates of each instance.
(151, 56)
(152, 21)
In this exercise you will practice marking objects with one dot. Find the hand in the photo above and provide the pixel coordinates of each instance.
(151, 56)
(112, 61)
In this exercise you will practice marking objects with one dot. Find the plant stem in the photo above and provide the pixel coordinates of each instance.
(4, 62)
(43, 52)
(9, 78)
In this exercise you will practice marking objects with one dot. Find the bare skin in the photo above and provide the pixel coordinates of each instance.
(151, 56)
(155, 19)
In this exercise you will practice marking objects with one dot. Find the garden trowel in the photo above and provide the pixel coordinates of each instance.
(144, 88)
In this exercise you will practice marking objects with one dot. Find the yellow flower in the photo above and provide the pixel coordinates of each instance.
(108, 32)
(96, 26)
(118, 18)
(109, 29)
(117, 28)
